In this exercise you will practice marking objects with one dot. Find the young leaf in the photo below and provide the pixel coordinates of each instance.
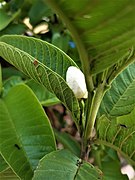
(118, 137)
(44, 63)
(120, 98)
(26, 135)
(64, 165)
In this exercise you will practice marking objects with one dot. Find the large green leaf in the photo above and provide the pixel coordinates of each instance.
(120, 98)
(105, 29)
(44, 63)
(62, 164)
(41, 51)
(26, 135)
(118, 137)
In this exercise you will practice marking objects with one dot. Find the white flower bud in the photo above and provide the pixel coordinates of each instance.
(76, 81)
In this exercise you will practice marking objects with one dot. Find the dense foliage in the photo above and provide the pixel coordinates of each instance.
(39, 41)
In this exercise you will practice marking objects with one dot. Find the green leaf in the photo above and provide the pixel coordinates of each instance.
(26, 135)
(44, 96)
(7, 72)
(44, 63)
(13, 29)
(41, 8)
(111, 171)
(8, 174)
(64, 165)
(120, 98)
(42, 51)
(1, 83)
(118, 137)
(5, 19)
(127, 120)
(17, 4)
(3, 164)
(68, 142)
(111, 166)
(61, 41)
(10, 82)
(105, 29)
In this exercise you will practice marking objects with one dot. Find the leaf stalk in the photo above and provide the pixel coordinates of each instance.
(93, 110)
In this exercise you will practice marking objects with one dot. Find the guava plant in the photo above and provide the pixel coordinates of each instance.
(99, 92)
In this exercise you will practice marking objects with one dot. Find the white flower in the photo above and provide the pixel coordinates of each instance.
(76, 81)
